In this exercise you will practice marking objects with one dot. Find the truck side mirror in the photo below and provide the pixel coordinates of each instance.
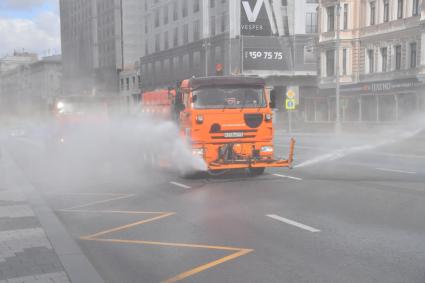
(194, 98)
(272, 103)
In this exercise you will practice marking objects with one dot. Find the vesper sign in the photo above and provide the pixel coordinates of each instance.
(256, 17)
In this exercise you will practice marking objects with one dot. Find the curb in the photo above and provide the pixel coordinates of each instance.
(76, 265)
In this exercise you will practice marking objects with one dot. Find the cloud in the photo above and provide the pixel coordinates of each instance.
(24, 4)
(34, 35)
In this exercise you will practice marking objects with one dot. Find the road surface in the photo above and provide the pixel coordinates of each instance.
(350, 213)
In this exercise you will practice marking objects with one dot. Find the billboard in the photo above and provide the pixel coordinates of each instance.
(267, 54)
(257, 18)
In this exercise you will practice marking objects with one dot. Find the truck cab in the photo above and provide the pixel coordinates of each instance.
(228, 121)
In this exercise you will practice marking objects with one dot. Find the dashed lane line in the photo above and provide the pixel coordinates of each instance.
(288, 177)
(395, 171)
(180, 185)
(293, 223)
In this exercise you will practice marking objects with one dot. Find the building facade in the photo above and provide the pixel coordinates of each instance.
(100, 38)
(381, 60)
(28, 88)
(185, 38)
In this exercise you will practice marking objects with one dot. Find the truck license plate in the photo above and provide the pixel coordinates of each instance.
(233, 135)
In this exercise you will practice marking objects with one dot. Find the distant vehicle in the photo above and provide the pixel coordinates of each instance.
(227, 121)
(159, 103)
(76, 113)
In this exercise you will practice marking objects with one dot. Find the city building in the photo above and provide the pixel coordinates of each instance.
(130, 82)
(10, 62)
(29, 87)
(273, 39)
(381, 60)
(100, 38)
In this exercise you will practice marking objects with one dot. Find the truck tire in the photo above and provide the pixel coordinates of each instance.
(256, 171)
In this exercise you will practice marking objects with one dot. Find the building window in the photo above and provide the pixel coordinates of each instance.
(127, 83)
(196, 30)
(345, 16)
(311, 23)
(384, 58)
(122, 84)
(372, 6)
(415, 8)
(157, 43)
(157, 18)
(195, 6)
(330, 63)
(223, 22)
(175, 12)
(397, 57)
(146, 26)
(186, 33)
(184, 8)
(344, 61)
(166, 45)
(212, 26)
(386, 11)
(399, 9)
(212, 3)
(370, 57)
(413, 56)
(331, 18)
(176, 37)
(166, 15)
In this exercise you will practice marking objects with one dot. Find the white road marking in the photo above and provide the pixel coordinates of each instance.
(293, 223)
(288, 177)
(180, 185)
(395, 171)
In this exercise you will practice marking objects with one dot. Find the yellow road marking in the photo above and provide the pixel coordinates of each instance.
(99, 202)
(178, 245)
(204, 267)
(111, 211)
(124, 227)
(238, 252)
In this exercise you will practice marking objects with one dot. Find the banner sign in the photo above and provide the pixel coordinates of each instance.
(256, 18)
(263, 58)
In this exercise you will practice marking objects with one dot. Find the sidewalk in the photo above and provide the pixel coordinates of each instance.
(34, 246)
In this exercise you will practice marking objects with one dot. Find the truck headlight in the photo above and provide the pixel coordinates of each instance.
(268, 117)
(198, 152)
(60, 105)
(200, 119)
(267, 149)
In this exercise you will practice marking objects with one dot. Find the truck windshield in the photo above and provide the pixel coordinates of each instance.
(229, 97)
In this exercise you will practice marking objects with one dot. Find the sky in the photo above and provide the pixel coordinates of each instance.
(32, 25)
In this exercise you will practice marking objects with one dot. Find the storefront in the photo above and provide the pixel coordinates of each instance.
(379, 101)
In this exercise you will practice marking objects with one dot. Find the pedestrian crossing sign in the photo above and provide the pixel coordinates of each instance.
(291, 104)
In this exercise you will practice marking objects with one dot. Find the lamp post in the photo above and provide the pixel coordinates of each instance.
(206, 45)
(337, 76)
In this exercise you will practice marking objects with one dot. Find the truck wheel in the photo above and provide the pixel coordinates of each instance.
(256, 171)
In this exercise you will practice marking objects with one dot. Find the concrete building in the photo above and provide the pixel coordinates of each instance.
(100, 38)
(381, 59)
(270, 38)
(10, 62)
(29, 87)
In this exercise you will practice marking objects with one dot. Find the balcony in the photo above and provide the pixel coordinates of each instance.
(391, 26)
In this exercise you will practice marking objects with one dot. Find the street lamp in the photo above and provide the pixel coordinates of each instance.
(337, 77)
(206, 45)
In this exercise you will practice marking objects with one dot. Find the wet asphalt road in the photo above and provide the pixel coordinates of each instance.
(357, 215)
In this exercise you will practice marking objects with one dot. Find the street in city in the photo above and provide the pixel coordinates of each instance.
(347, 212)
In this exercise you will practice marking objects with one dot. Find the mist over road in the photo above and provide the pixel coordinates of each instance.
(356, 217)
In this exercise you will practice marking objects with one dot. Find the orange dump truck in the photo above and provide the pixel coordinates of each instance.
(228, 122)
(159, 103)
